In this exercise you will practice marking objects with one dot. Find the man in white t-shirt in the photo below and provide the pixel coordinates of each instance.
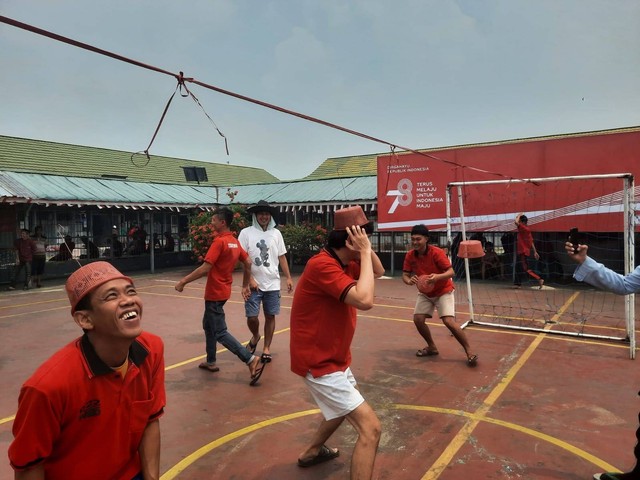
(267, 251)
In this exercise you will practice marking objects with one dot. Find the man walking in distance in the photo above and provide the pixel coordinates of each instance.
(429, 260)
(92, 410)
(524, 246)
(599, 276)
(25, 248)
(323, 321)
(218, 265)
(265, 246)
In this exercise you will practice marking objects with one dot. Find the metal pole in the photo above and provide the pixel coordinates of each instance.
(629, 260)
(466, 260)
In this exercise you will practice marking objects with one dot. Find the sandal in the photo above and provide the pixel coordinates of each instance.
(325, 454)
(256, 376)
(472, 361)
(252, 346)
(265, 358)
(208, 366)
(426, 352)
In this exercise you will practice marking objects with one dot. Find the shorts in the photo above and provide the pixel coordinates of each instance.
(445, 304)
(270, 303)
(335, 393)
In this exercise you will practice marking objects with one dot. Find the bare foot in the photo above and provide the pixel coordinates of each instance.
(541, 283)
(253, 365)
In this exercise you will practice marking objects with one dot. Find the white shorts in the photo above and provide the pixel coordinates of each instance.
(335, 393)
(445, 304)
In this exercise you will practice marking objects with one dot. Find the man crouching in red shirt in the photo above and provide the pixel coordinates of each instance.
(336, 282)
(92, 409)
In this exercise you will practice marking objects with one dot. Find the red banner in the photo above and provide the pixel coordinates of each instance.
(412, 187)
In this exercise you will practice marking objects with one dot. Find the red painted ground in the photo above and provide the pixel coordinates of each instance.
(546, 407)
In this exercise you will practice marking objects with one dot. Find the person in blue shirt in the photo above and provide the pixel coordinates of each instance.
(599, 276)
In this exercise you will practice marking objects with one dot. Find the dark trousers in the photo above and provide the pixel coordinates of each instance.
(27, 273)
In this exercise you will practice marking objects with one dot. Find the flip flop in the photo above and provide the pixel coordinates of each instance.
(325, 454)
(472, 361)
(425, 352)
(252, 346)
(206, 366)
(256, 376)
(265, 358)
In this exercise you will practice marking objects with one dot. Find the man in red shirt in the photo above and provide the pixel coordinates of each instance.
(25, 249)
(323, 321)
(524, 246)
(425, 259)
(92, 410)
(219, 263)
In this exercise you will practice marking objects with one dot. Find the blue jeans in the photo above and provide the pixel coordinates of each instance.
(215, 330)
(270, 303)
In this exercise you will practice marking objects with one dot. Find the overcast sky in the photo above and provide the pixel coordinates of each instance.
(417, 73)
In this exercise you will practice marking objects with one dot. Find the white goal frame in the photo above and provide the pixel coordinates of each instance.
(629, 225)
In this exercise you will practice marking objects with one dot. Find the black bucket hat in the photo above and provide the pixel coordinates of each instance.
(263, 206)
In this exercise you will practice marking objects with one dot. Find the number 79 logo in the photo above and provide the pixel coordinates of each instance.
(402, 193)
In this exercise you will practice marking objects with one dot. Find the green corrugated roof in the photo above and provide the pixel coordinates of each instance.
(39, 156)
(354, 166)
(58, 190)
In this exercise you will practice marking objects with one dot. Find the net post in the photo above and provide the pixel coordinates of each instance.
(466, 260)
(629, 259)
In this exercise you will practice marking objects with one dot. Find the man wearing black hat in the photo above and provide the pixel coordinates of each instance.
(267, 251)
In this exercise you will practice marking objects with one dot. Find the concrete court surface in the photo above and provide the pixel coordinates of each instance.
(537, 406)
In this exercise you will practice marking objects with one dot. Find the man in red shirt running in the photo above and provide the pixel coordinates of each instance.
(323, 321)
(425, 259)
(524, 247)
(219, 263)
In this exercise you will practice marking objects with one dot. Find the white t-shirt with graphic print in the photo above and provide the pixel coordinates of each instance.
(264, 248)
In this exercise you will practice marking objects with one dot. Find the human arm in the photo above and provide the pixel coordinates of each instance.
(201, 271)
(517, 220)
(284, 264)
(360, 295)
(409, 278)
(437, 277)
(149, 451)
(599, 276)
(247, 279)
(35, 473)
(536, 255)
(378, 269)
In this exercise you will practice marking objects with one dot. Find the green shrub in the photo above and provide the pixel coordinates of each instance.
(303, 240)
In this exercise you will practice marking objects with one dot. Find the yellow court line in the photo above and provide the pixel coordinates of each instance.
(200, 357)
(190, 459)
(518, 428)
(202, 451)
(167, 368)
(463, 435)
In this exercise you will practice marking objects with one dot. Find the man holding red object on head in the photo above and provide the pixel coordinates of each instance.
(336, 282)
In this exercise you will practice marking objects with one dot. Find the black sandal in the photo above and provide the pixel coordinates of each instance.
(265, 358)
